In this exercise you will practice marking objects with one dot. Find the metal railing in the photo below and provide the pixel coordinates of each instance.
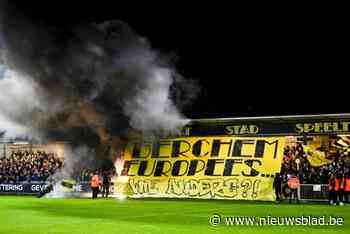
(313, 192)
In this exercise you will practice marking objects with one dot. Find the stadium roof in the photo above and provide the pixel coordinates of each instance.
(282, 118)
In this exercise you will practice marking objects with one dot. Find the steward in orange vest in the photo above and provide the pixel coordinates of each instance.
(293, 184)
(95, 185)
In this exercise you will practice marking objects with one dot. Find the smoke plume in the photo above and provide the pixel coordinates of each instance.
(91, 85)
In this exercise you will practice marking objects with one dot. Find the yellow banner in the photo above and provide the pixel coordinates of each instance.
(201, 167)
(315, 157)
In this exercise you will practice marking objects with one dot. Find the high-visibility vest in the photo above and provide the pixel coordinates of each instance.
(339, 184)
(293, 182)
(342, 183)
(95, 181)
(347, 184)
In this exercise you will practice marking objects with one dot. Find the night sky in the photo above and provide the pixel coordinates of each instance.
(249, 62)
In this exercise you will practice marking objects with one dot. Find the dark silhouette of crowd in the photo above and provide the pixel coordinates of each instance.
(25, 166)
(330, 169)
(37, 166)
(295, 162)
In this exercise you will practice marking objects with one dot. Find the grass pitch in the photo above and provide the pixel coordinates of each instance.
(35, 216)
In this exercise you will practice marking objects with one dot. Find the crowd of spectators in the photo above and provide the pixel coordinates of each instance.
(25, 166)
(295, 162)
(37, 166)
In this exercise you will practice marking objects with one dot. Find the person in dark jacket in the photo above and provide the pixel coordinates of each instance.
(277, 183)
(106, 181)
(340, 186)
(347, 186)
(331, 190)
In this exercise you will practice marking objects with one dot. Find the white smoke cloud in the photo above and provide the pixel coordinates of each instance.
(2, 71)
(76, 159)
(19, 97)
(151, 109)
(99, 80)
